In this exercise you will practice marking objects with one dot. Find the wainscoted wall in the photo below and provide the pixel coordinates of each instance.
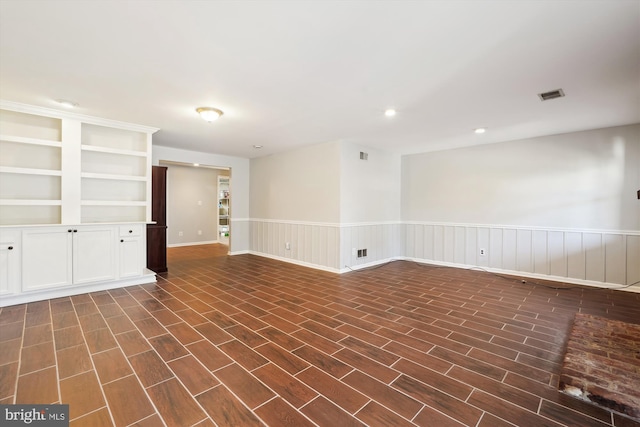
(383, 241)
(578, 256)
(312, 244)
(432, 207)
(561, 207)
(324, 245)
(574, 256)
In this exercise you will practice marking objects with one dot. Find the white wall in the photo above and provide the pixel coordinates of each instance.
(369, 205)
(297, 185)
(369, 189)
(324, 202)
(192, 204)
(578, 180)
(239, 241)
(295, 200)
(561, 206)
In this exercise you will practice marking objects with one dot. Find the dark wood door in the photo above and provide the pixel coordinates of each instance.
(157, 233)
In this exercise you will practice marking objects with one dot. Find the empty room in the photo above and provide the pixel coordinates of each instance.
(319, 213)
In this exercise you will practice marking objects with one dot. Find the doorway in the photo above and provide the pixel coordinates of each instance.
(194, 216)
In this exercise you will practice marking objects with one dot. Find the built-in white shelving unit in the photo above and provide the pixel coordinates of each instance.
(30, 169)
(224, 209)
(75, 193)
(115, 174)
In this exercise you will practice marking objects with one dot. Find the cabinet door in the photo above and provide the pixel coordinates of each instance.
(46, 258)
(94, 254)
(130, 259)
(9, 265)
(9, 261)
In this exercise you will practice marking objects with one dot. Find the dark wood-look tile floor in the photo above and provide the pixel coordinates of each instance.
(245, 340)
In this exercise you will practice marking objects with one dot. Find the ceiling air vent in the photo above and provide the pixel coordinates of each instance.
(552, 94)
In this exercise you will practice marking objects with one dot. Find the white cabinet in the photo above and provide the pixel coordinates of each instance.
(46, 257)
(94, 254)
(9, 261)
(61, 256)
(53, 261)
(130, 248)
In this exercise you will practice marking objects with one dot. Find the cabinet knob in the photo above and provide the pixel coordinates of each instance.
(121, 241)
(10, 248)
(69, 231)
(130, 231)
(75, 231)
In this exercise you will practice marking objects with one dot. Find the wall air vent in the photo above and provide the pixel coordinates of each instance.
(552, 94)
(364, 156)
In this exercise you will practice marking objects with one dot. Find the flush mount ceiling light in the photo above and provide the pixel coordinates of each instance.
(66, 103)
(480, 130)
(209, 114)
(390, 112)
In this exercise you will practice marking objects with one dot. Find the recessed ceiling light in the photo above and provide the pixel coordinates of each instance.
(66, 103)
(209, 114)
(196, 164)
(480, 130)
(257, 147)
(390, 112)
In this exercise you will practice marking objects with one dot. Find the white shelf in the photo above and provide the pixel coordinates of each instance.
(115, 138)
(112, 176)
(224, 203)
(112, 213)
(65, 168)
(112, 203)
(16, 215)
(34, 141)
(113, 150)
(30, 202)
(29, 125)
(30, 171)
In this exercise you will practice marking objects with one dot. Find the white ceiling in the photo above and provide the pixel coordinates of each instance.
(293, 73)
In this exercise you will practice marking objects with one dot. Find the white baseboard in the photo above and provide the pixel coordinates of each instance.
(207, 242)
(39, 295)
(560, 279)
(348, 269)
(245, 252)
(296, 262)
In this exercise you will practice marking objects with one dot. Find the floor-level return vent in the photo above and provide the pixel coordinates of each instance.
(552, 94)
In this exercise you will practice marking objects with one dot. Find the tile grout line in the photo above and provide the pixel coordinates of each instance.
(94, 370)
(166, 363)
(126, 358)
(24, 324)
(212, 372)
